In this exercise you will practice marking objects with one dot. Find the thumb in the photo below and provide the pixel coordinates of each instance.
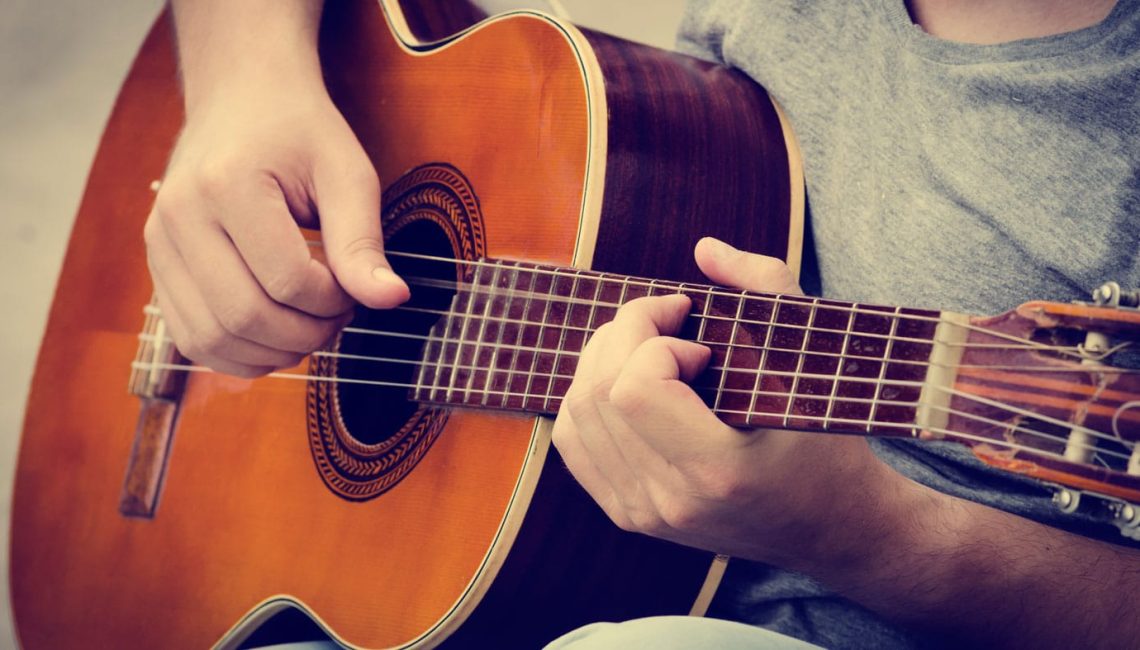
(348, 203)
(726, 265)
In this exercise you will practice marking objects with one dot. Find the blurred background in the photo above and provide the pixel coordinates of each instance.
(61, 64)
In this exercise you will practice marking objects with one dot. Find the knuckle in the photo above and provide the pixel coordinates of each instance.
(578, 402)
(621, 520)
(319, 334)
(644, 521)
(679, 514)
(215, 177)
(209, 341)
(630, 398)
(286, 287)
(362, 245)
(240, 318)
(171, 202)
(601, 389)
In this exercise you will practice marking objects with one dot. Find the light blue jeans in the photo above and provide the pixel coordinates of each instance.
(659, 633)
(676, 633)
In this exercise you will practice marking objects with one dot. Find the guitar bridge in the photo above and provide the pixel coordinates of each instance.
(157, 384)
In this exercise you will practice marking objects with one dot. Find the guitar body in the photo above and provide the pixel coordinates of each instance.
(524, 138)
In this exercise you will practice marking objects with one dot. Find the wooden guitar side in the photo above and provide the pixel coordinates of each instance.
(583, 150)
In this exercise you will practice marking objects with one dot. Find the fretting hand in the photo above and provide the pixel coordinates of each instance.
(650, 452)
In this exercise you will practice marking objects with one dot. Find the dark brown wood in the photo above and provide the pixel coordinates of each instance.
(512, 338)
(672, 183)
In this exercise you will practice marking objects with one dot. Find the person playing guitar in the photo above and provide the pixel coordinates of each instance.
(1001, 165)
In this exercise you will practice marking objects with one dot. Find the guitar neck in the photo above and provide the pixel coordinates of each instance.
(514, 332)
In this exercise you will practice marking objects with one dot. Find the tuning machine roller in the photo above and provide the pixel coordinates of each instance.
(1095, 349)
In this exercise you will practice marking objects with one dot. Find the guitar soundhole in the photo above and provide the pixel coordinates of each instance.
(383, 348)
(364, 432)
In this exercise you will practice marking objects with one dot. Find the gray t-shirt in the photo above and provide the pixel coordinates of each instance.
(940, 175)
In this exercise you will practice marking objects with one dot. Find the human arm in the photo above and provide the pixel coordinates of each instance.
(657, 461)
(263, 150)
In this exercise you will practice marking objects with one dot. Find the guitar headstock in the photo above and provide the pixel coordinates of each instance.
(1052, 391)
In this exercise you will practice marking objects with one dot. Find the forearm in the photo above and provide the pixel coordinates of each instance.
(988, 578)
(227, 46)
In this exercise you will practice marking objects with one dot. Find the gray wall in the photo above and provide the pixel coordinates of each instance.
(60, 66)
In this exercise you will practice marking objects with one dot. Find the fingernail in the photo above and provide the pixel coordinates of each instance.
(719, 249)
(385, 274)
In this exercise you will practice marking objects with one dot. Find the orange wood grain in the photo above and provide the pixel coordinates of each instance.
(243, 514)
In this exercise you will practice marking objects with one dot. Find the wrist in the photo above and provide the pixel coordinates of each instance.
(247, 48)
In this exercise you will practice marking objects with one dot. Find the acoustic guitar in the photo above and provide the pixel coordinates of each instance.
(160, 508)
(399, 487)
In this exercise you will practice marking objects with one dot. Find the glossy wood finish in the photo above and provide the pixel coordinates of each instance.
(244, 524)
(243, 516)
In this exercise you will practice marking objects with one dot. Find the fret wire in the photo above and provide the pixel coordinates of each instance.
(512, 279)
(444, 326)
(539, 350)
(519, 332)
(728, 354)
(480, 336)
(800, 362)
(561, 343)
(1028, 344)
(469, 314)
(704, 321)
(593, 309)
(773, 318)
(883, 369)
(839, 367)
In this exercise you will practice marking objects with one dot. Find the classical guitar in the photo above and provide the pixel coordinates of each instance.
(399, 487)
(183, 509)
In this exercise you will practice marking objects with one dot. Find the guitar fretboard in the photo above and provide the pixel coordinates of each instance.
(514, 332)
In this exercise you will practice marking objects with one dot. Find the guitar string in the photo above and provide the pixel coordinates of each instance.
(752, 374)
(482, 290)
(747, 414)
(1071, 350)
(730, 345)
(760, 348)
(801, 301)
(791, 397)
(775, 299)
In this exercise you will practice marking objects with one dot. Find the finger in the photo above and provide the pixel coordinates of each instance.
(652, 391)
(583, 402)
(348, 201)
(256, 217)
(728, 266)
(644, 318)
(580, 464)
(200, 336)
(178, 333)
